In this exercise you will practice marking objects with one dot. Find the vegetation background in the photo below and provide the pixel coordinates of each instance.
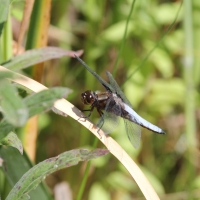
(157, 65)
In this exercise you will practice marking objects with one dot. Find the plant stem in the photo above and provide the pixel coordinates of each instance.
(85, 176)
(124, 38)
(190, 121)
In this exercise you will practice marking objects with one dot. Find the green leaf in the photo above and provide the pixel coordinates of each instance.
(36, 56)
(162, 62)
(5, 128)
(173, 42)
(4, 7)
(156, 183)
(35, 104)
(12, 140)
(15, 166)
(117, 179)
(165, 94)
(34, 176)
(97, 189)
(5, 74)
(44, 100)
(115, 32)
(165, 13)
(160, 59)
(12, 105)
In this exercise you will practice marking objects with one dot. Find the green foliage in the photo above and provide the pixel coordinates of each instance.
(4, 8)
(13, 109)
(12, 140)
(38, 173)
(151, 70)
(35, 56)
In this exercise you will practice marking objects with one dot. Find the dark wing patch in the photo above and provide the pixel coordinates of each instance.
(117, 89)
(110, 118)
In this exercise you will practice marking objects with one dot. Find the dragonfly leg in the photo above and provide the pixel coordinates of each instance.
(90, 111)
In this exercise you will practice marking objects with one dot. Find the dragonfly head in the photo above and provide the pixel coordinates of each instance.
(87, 97)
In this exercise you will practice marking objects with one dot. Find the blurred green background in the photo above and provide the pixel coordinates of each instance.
(163, 88)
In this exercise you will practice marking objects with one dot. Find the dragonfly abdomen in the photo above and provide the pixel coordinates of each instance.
(134, 117)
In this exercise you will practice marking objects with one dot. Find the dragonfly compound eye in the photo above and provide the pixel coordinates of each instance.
(87, 97)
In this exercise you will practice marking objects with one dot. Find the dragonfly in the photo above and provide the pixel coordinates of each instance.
(111, 105)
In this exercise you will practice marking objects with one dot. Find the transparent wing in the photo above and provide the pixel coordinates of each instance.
(133, 132)
(117, 89)
(110, 118)
(108, 122)
(103, 82)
